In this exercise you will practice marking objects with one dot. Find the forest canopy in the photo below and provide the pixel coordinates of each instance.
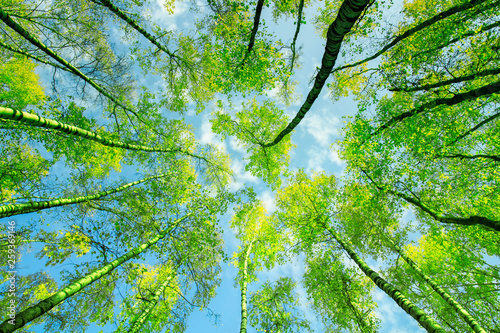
(305, 165)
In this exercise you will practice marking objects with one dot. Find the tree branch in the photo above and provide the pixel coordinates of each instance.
(458, 98)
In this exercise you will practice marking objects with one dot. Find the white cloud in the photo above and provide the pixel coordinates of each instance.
(267, 199)
(274, 93)
(209, 137)
(242, 176)
(165, 19)
(333, 156)
(316, 159)
(323, 127)
(318, 156)
(236, 146)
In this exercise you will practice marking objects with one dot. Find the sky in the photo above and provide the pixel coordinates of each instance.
(314, 138)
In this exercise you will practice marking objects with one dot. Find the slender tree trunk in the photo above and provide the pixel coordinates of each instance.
(467, 221)
(26, 54)
(33, 312)
(475, 128)
(424, 320)
(349, 12)
(243, 288)
(444, 295)
(136, 326)
(35, 120)
(108, 4)
(29, 207)
(449, 42)
(296, 35)
(474, 94)
(33, 40)
(427, 87)
(471, 157)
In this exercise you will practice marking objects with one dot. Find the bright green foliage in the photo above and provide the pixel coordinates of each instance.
(71, 26)
(252, 226)
(209, 61)
(253, 126)
(456, 262)
(262, 70)
(312, 225)
(340, 295)
(365, 213)
(147, 281)
(18, 165)
(19, 85)
(62, 244)
(432, 142)
(303, 203)
(435, 138)
(77, 285)
(274, 308)
(262, 246)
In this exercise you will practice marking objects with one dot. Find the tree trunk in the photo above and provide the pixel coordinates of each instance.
(136, 326)
(37, 121)
(34, 57)
(243, 288)
(29, 207)
(447, 297)
(471, 220)
(33, 312)
(133, 24)
(427, 87)
(33, 40)
(424, 320)
(349, 12)
(256, 20)
(474, 94)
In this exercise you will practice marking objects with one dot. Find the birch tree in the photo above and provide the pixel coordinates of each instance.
(260, 247)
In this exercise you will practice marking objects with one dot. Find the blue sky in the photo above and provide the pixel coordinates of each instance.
(314, 136)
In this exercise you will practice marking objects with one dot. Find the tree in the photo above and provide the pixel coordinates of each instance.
(273, 308)
(347, 15)
(310, 224)
(457, 307)
(372, 223)
(260, 247)
(10, 210)
(462, 272)
(340, 296)
(155, 302)
(23, 88)
(253, 126)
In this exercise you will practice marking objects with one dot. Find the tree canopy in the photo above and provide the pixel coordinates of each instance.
(152, 151)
